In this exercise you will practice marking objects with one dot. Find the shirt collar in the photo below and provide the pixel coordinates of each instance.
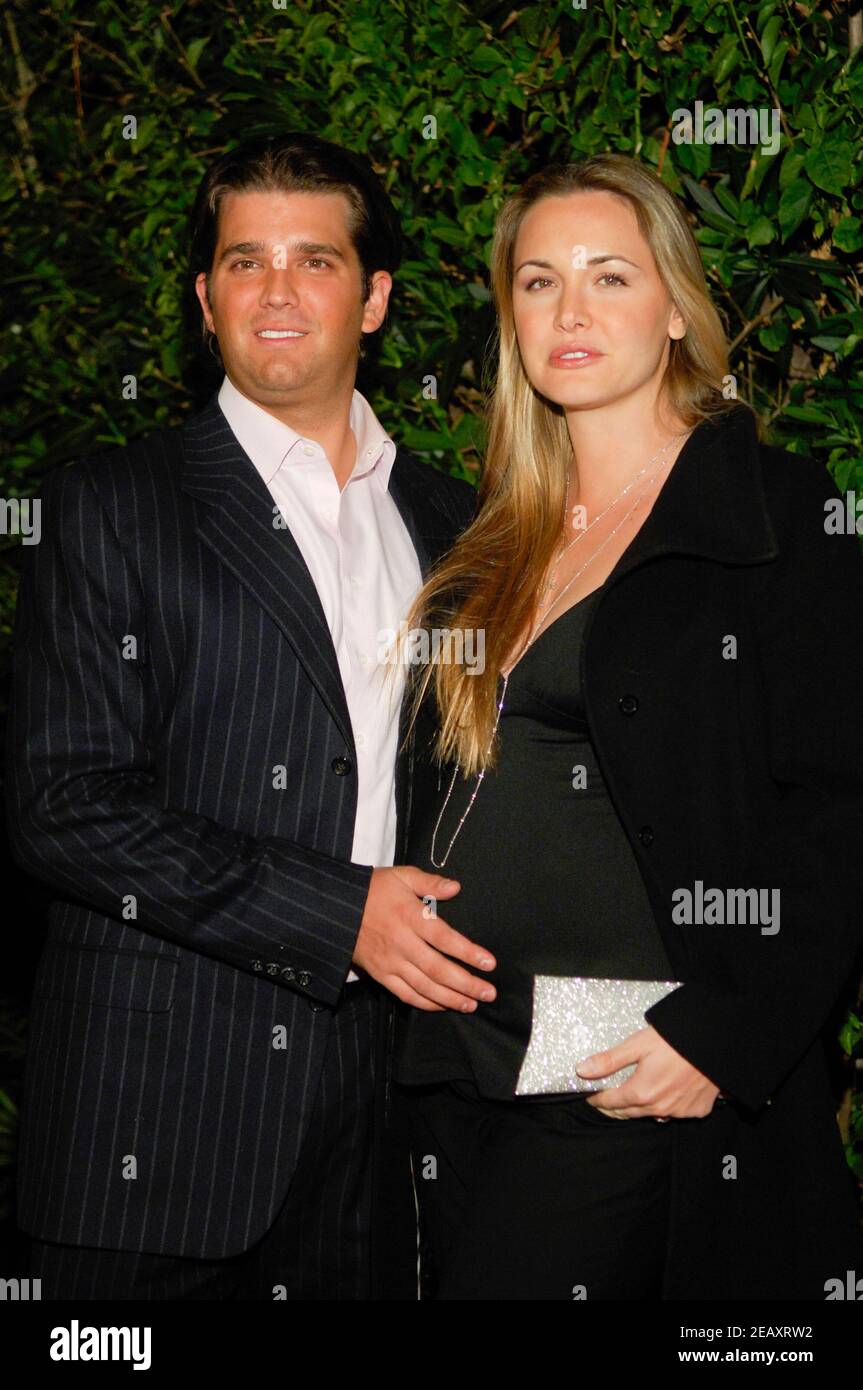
(270, 444)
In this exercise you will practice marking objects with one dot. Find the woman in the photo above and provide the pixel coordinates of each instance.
(655, 777)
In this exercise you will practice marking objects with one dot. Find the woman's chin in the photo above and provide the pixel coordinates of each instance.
(570, 395)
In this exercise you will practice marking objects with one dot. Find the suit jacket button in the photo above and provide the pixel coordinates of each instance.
(273, 967)
(627, 704)
(288, 972)
(341, 766)
(645, 834)
(315, 1005)
(304, 979)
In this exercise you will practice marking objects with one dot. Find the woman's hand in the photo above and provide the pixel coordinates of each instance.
(663, 1085)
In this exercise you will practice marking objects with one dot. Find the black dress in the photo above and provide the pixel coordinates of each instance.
(549, 882)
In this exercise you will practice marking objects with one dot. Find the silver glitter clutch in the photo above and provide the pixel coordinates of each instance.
(574, 1017)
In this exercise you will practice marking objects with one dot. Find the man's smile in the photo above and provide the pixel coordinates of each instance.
(278, 335)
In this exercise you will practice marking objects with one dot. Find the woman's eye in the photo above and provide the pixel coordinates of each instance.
(608, 276)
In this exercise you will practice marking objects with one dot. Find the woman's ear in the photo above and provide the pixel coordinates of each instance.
(676, 323)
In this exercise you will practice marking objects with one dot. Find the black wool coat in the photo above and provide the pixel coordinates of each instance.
(723, 670)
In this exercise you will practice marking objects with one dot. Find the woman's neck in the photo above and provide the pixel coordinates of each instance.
(610, 447)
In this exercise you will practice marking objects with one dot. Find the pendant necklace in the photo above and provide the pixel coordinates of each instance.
(545, 603)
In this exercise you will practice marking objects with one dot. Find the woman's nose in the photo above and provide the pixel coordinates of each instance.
(572, 307)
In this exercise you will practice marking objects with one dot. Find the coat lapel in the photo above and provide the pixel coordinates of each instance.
(236, 522)
(712, 503)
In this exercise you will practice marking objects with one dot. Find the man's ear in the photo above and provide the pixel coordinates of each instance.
(204, 299)
(375, 310)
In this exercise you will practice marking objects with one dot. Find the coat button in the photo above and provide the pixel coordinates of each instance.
(645, 834)
(304, 979)
(315, 1005)
(627, 704)
(341, 766)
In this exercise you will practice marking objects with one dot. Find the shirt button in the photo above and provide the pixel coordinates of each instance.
(364, 661)
(360, 740)
(355, 583)
(308, 450)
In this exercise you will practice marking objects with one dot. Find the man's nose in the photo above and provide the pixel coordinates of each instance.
(279, 287)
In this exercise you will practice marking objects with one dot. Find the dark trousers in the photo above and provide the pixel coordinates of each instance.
(536, 1199)
(319, 1246)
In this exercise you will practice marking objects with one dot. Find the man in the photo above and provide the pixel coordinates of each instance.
(202, 764)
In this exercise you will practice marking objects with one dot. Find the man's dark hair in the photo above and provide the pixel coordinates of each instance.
(299, 162)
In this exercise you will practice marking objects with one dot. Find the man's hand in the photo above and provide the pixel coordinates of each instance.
(663, 1084)
(404, 946)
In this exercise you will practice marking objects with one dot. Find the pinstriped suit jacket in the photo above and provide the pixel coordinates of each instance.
(170, 652)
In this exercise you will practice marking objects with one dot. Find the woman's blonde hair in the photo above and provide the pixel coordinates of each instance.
(489, 581)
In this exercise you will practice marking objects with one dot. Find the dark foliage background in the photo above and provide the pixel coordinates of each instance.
(454, 104)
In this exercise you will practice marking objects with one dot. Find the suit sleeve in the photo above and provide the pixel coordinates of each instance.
(82, 804)
(809, 629)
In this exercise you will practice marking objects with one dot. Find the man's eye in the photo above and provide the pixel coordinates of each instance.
(316, 260)
(239, 263)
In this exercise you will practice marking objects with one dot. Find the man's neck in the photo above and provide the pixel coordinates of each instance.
(327, 423)
(345, 467)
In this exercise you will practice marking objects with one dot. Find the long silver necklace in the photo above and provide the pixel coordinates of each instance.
(545, 603)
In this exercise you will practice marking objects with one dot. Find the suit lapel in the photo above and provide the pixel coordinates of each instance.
(236, 521)
(405, 498)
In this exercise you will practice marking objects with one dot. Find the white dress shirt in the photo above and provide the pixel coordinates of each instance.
(365, 569)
